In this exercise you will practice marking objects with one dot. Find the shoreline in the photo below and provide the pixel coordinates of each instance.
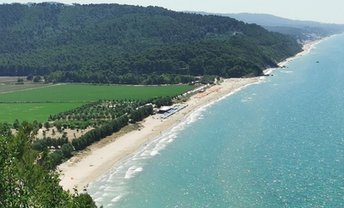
(87, 166)
(306, 48)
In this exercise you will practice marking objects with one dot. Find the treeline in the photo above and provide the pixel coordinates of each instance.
(110, 43)
(42, 144)
(110, 77)
(55, 151)
(26, 183)
(110, 127)
(52, 159)
(99, 133)
(63, 150)
(160, 101)
(110, 117)
(96, 113)
(141, 113)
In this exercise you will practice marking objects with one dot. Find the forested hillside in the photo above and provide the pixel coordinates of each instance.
(129, 44)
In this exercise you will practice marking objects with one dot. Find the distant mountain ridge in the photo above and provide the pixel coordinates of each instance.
(111, 43)
(272, 20)
(300, 29)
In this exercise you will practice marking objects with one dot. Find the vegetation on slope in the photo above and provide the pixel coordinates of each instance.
(27, 178)
(25, 183)
(129, 44)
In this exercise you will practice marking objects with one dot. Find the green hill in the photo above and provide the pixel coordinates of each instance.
(110, 43)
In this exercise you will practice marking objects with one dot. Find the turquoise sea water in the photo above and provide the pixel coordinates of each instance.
(276, 144)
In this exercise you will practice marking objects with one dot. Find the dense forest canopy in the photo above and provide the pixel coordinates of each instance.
(129, 44)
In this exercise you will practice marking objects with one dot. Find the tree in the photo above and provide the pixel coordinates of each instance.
(16, 124)
(47, 125)
(5, 129)
(20, 81)
(58, 127)
(29, 77)
(53, 159)
(67, 150)
(37, 79)
(83, 200)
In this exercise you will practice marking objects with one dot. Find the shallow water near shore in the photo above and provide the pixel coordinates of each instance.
(276, 144)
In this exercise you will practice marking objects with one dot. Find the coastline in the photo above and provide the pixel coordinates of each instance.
(306, 48)
(86, 167)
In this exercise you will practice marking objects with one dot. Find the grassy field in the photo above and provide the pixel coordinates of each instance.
(6, 88)
(87, 93)
(32, 111)
(38, 104)
(9, 84)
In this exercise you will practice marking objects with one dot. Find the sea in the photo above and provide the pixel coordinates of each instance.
(275, 144)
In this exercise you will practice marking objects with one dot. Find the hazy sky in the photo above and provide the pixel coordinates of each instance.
(319, 10)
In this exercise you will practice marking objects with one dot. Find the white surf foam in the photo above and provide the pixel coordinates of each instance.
(286, 71)
(117, 198)
(132, 171)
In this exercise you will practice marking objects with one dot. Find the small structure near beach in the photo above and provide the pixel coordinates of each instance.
(164, 109)
(167, 111)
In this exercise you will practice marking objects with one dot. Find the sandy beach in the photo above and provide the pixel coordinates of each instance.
(89, 165)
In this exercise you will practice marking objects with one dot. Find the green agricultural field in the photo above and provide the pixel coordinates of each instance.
(9, 112)
(87, 93)
(38, 104)
(6, 88)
